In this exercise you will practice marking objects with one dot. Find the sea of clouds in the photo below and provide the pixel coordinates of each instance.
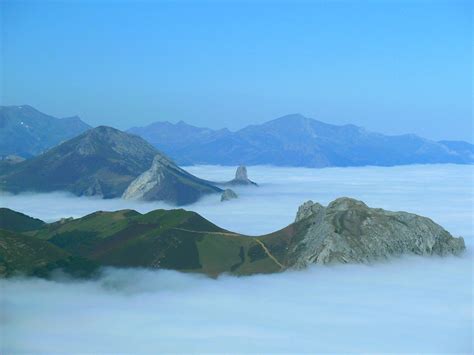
(409, 304)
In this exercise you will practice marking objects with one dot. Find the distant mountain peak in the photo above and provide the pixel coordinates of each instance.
(105, 138)
(297, 140)
(26, 132)
(102, 130)
(292, 116)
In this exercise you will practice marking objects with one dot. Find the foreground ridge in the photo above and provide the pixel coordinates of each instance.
(345, 231)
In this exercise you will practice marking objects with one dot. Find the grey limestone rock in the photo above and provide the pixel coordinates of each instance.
(167, 182)
(348, 231)
(307, 209)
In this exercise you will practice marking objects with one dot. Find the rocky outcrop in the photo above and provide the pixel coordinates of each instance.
(165, 181)
(307, 209)
(241, 177)
(348, 231)
(228, 195)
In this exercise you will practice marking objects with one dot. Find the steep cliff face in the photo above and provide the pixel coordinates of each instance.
(165, 181)
(348, 231)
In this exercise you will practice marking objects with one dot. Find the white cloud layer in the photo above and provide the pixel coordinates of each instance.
(411, 304)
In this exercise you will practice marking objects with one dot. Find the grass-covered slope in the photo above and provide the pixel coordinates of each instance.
(25, 255)
(18, 222)
(170, 239)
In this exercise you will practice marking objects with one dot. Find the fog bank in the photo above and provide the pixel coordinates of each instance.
(410, 304)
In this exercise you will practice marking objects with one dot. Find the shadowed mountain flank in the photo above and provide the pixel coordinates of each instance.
(104, 162)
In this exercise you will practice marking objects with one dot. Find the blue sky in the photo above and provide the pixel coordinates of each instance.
(390, 66)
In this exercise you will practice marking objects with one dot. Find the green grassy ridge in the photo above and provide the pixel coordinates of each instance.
(168, 239)
(25, 255)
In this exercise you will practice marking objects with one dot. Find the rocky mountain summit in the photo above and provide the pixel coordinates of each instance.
(348, 231)
(167, 182)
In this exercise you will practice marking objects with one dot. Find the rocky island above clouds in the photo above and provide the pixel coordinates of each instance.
(165, 181)
(107, 163)
(241, 178)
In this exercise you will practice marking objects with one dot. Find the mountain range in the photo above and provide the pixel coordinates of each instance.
(291, 140)
(345, 231)
(26, 132)
(295, 140)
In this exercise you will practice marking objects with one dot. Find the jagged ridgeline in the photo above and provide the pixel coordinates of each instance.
(295, 140)
(346, 231)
